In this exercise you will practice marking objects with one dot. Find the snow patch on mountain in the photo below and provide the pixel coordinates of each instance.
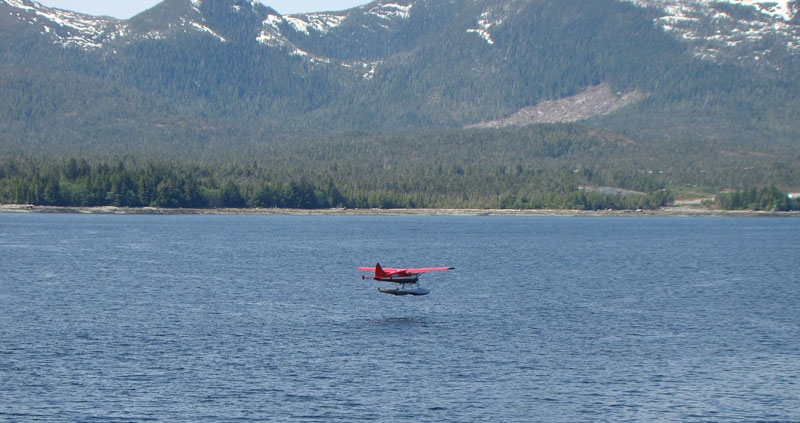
(271, 28)
(202, 28)
(70, 29)
(272, 35)
(365, 69)
(779, 9)
(324, 22)
(298, 24)
(271, 31)
(488, 19)
(784, 9)
(390, 11)
(715, 34)
(319, 22)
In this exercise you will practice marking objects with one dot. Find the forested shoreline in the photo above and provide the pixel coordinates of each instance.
(79, 183)
(757, 199)
(126, 183)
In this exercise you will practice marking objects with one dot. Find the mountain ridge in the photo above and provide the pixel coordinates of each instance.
(678, 17)
(394, 64)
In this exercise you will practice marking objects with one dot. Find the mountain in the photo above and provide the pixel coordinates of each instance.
(747, 32)
(211, 75)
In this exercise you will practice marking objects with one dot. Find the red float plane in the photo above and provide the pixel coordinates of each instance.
(407, 279)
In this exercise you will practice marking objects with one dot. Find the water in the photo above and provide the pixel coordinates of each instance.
(264, 318)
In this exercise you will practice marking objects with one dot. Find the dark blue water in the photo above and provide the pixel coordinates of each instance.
(264, 318)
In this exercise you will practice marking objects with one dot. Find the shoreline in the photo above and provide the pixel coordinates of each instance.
(676, 211)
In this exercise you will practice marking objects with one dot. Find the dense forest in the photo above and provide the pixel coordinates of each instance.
(763, 199)
(169, 185)
(78, 183)
(561, 166)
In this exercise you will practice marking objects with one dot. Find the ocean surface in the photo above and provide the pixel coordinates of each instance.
(264, 318)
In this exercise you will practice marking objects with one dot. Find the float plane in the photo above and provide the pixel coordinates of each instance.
(407, 280)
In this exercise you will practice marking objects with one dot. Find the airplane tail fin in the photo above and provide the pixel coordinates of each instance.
(379, 270)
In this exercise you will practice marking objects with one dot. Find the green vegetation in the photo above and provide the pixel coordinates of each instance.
(763, 199)
(561, 166)
(79, 183)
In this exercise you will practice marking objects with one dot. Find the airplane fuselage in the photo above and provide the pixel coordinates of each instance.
(398, 279)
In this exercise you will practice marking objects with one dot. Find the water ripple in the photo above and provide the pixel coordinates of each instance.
(263, 318)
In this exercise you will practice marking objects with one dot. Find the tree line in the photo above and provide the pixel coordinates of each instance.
(78, 183)
(126, 183)
(759, 199)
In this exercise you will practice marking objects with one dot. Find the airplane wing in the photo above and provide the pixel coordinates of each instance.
(424, 269)
(392, 271)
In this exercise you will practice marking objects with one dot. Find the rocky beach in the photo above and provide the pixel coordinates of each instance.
(677, 211)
